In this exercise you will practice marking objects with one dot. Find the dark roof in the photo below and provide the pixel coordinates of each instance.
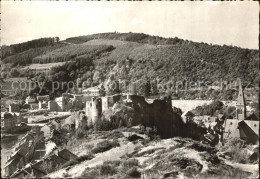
(56, 159)
(7, 115)
(251, 136)
(252, 117)
(221, 116)
(64, 154)
(14, 161)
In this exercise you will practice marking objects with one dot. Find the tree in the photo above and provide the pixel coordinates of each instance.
(154, 89)
(102, 90)
(255, 107)
(112, 86)
(14, 73)
(147, 88)
(4, 75)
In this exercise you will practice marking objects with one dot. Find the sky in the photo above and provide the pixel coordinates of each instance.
(230, 23)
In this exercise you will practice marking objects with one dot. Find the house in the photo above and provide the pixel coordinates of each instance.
(39, 151)
(23, 152)
(13, 164)
(212, 119)
(19, 118)
(250, 130)
(13, 107)
(43, 101)
(56, 125)
(54, 106)
(17, 159)
(252, 117)
(46, 129)
(68, 123)
(243, 127)
(187, 116)
(13, 85)
(37, 169)
(221, 117)
(29, 100)
(31, 170)
(63, 102)
(8, 121)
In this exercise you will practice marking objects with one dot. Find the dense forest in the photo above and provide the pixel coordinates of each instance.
(26, 57)
(17, 48)
(155, 64)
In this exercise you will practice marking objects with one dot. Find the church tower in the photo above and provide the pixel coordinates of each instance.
(241, 103)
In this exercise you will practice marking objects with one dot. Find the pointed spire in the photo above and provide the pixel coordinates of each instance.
(241, 103)
(240, 98)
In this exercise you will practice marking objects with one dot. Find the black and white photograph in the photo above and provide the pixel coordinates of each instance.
(130, 89)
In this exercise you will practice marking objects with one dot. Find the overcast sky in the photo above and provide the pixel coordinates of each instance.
(230, 23)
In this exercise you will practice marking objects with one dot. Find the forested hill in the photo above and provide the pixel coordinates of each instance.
(133, 56)
(172, 59)
(21, 47)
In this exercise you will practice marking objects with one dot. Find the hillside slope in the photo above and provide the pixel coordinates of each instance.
(165, 61)
(186, 61)
(145, 158)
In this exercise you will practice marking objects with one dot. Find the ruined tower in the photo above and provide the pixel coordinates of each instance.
(93, 110)
(241, 103)
(96, 109)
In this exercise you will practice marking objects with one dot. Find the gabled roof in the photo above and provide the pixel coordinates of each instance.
(252, 117)
(220, 116)
(251, 135)
(231, 129)
(188, 113)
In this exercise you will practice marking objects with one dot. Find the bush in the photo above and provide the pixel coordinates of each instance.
(133, 173)
(107, 170)
(114, 135)
(236, 150)
(115, 163)
(77, 160)
(79, 134)
(105, 145)
(130, 163)
(120, 116)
